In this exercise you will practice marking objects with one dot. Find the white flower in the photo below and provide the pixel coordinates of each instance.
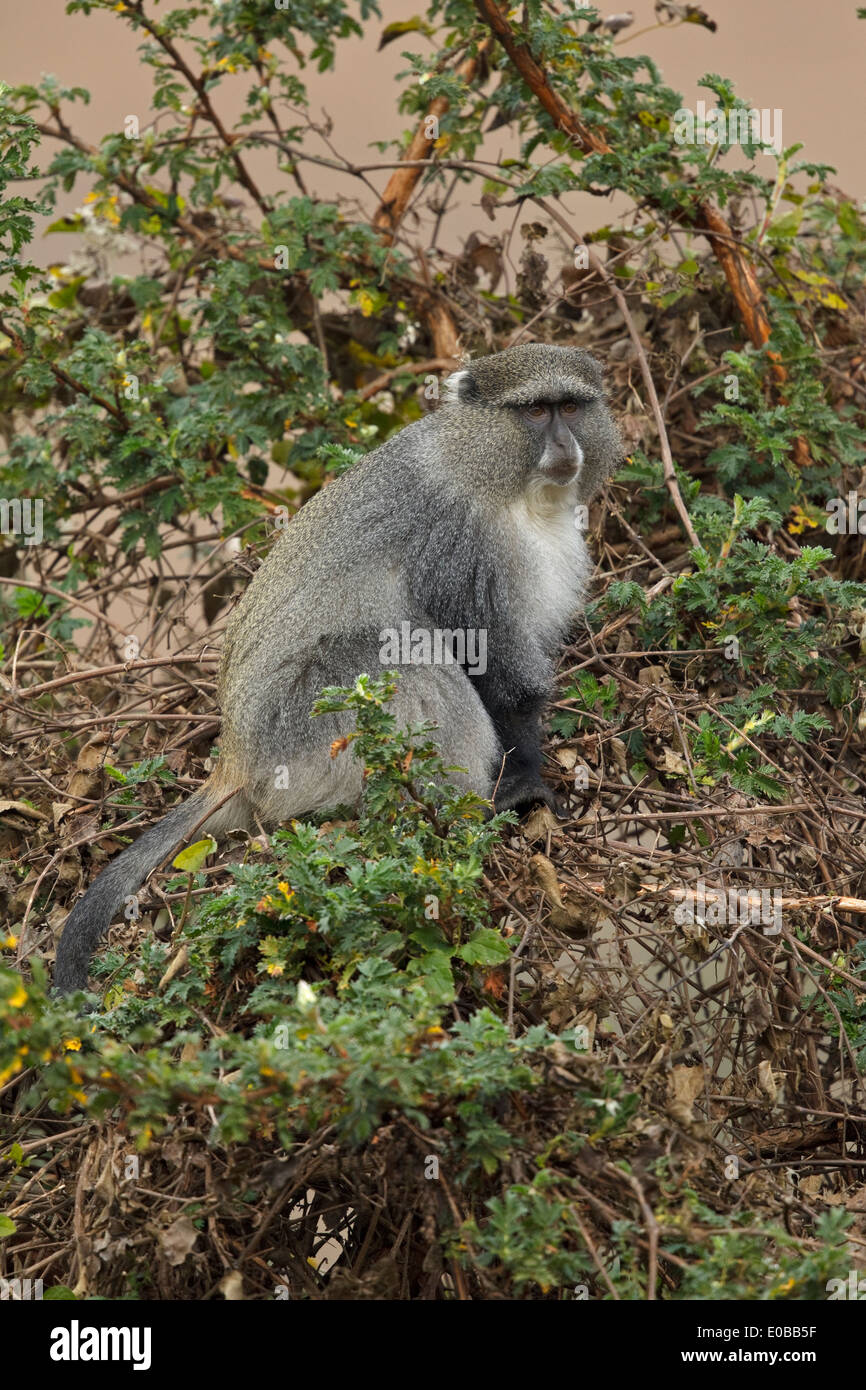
(305, 998)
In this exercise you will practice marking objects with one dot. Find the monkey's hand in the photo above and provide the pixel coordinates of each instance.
(521, 794)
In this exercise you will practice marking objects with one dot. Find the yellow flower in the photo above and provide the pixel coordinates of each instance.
(72, 1044)
(18, 997)
(800, 520)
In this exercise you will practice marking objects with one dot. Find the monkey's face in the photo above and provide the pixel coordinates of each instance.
(533, 414)
(554, 429)
(572, 439)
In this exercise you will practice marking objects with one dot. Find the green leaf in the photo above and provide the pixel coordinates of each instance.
(65, 224)
(435, 970)
(415, 25)
(191, 859)
(484, 947)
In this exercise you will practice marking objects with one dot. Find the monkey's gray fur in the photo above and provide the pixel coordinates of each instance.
(463, 520)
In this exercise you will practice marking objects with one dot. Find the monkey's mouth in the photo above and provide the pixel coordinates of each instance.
(561, 473)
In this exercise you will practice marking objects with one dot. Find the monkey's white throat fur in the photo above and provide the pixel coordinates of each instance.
(554, 555)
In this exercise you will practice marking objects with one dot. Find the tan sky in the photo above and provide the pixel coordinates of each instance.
(807, 60)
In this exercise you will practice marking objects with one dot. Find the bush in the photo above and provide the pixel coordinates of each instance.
(411, 1052)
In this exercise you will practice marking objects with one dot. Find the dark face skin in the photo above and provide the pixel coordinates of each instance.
(554, 428)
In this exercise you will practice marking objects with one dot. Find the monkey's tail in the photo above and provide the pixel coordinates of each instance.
(90, 919)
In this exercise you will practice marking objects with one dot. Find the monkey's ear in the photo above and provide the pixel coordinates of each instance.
(461, 386)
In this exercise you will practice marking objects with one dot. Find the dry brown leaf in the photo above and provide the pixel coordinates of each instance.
(619, 754)
(767, 1081)
(685, 1084)
(494, 982)
(653, 675)
(232, 1286)
(537, 824)
(674, 762)
(83, 785)
(175, 965)
(90, 757)
(23, 809)
(179, 1240)
(563, 916)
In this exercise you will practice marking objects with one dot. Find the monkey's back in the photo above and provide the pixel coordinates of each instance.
(333, 580)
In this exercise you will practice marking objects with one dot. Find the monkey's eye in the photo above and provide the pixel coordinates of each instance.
(536, 412)
(569, 407)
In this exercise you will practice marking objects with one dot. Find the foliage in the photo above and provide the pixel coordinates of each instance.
(385, 1029)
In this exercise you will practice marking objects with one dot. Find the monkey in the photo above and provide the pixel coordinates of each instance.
(464, 519)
